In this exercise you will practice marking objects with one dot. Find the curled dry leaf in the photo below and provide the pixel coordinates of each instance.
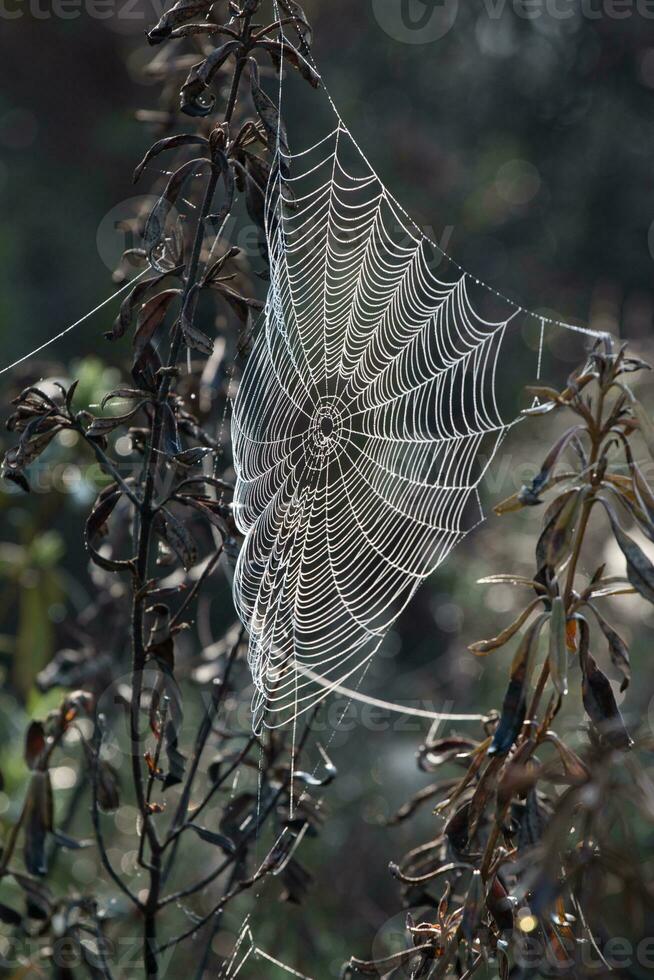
(300, 23)
(530, 493)
(618, 649)
(515, 699)
(640, 570)
(598, 697)
(268, 114)
(177, 536)
(179, 13)
(154, 235)
(555, 539)
(484, 647)
(97, 527)
(193, 98)
(645, 425)
(133, 302)
(150, 317)
(169, 143)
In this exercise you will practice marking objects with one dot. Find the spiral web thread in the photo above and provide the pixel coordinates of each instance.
(365, 420)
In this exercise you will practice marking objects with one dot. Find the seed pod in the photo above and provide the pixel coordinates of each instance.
(483, 647)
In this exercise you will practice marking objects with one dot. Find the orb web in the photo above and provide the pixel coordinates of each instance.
(365, 420)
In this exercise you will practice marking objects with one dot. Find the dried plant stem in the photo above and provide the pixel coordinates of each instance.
(201, 740)
(596, 444)
(529, 732)
(174, 437)
(144, 547)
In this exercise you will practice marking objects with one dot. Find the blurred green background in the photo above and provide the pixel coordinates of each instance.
(524, 146)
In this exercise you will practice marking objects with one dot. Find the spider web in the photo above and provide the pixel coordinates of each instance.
(366, 418)
(246, 949)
